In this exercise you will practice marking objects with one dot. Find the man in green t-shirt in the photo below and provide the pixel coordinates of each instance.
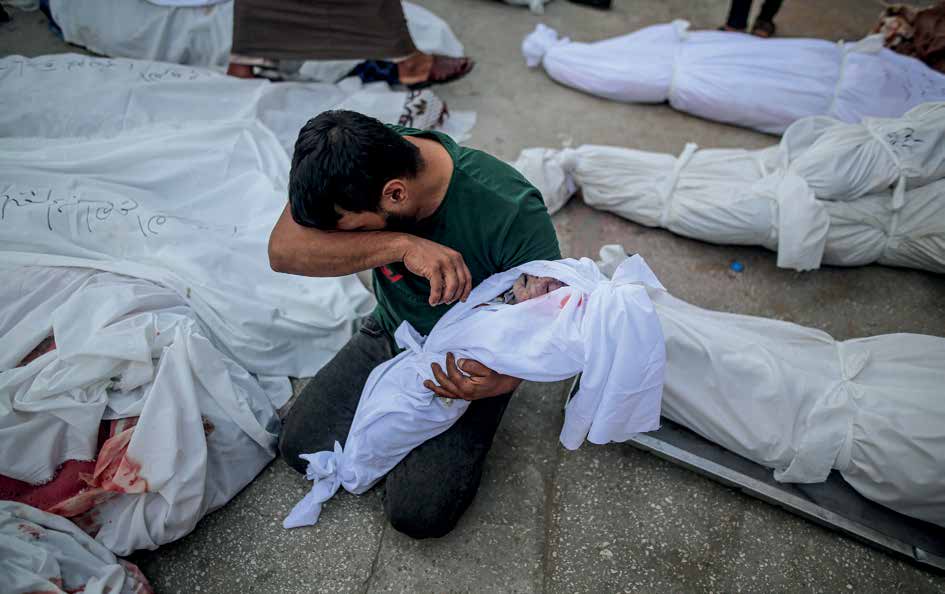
(433, 220)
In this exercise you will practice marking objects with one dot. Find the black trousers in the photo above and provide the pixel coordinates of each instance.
(427, 493)
(738, 13)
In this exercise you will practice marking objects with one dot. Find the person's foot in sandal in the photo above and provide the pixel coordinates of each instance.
(240, 70)
(764, 29)
(422, 70)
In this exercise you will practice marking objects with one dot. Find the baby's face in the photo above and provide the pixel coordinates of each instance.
(528, 287)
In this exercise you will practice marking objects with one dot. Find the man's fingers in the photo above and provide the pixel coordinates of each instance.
(452, 287)
(443, 380)
(440, 391)
(474, 368)
(455, 375)
(436, 288)
(467, 282)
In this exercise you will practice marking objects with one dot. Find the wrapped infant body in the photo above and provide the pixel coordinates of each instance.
(542, 321)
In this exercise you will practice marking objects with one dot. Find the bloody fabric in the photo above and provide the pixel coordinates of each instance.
(79, 485)
(915, 32)
(320, 29)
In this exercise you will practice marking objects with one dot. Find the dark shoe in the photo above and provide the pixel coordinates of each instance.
(601, 4)
(764, 29)
(371, 71)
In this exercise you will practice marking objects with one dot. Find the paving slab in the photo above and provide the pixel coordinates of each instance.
(626, 521)
(244, 548)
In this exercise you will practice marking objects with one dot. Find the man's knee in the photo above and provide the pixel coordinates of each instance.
(290, 447)
(419, 521)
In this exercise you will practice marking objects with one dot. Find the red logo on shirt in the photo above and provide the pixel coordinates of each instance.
(391, 276)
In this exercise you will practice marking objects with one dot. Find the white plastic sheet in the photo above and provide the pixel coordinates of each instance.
(737, 78)
(71, 95)
(798, 401)
(41, 552)
(125, 347)
(200, 35)
(608, 329)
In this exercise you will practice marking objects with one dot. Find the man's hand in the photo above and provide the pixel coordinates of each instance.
(445, 268)
(481, 382)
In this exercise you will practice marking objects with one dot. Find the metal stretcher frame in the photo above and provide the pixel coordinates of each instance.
(833, 504)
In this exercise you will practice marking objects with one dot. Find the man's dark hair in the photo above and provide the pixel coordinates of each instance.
(343, 158)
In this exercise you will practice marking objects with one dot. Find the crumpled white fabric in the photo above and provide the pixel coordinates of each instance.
(42, 552)
(607, 328)
(765, 84)
(188, 32)
(126, 347)
(190, 208)
(798, 401)
(769, 197)
(71, 95)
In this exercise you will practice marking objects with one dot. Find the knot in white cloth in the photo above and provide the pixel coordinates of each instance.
(883, 139)
(323, 468)
(852, 363)
(407, 337)
(568, 159)
(669, 185)
(537, 43)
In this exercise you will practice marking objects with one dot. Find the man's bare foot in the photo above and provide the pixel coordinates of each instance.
(240, 70)
(415, 69)
(422, 70)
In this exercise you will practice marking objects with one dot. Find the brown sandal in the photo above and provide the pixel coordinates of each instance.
(763, 29)
(444, 70)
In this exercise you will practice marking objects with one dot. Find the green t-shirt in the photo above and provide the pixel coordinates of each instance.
(491, 215)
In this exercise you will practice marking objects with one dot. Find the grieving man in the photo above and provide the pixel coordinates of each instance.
(432, 219)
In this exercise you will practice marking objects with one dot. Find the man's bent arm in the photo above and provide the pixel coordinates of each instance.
(305, 251)
(295, 249)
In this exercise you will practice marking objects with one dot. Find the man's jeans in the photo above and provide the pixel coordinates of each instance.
(429, 490)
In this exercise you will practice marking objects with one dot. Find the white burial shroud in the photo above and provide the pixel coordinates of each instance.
(765, 84)
(71, 95)
(124, 348)
(819, 197)
(189, 208)
(842, 161)
(798, 401)
(605, 328)
(723, 196)
(41, 552)
(202, 35)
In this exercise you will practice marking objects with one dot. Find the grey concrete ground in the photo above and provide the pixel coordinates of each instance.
(601, 519)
